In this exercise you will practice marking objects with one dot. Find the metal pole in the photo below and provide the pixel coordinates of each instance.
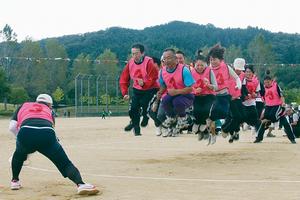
(97, 93)
(106, 92)
(76, 94)
(89, 92)
(117, 87)
(81, 92)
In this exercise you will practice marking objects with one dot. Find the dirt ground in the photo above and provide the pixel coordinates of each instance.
(126, 167)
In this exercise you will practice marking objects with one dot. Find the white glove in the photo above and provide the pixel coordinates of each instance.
(13, 127)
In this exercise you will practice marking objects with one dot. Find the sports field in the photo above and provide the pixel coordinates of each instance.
(126, 167)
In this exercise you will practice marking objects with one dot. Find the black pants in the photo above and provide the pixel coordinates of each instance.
(259, 107)
(220, 108)
(140, 100)
(202, 107)
(235, 117)
(296, 130)
(274, 114)
(159, 115)
(45, 142)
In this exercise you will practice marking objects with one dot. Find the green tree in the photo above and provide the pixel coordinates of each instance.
(232, 53)
(56, 66)
(18, 95)
(292, 95)
(260, 53)
(31, 72)
(9, 44)
(4, 86)
(8, 34)
(58, 95)
(82, 64)
(107, 64)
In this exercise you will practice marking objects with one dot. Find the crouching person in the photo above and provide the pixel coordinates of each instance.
(33, 125)
(177, 80)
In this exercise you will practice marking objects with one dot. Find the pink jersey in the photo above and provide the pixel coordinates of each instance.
(222, 75)
(34, 110)
(233, 91)
(138, 71)
(272, 97)
(174, 80)
(200, 83)
(252, 84)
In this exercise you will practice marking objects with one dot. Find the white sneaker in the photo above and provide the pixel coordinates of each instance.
(182, 122)
(158, 131)
(213, 139)
(202, 127)
(195, 128)
(168, 122)
(165, 132)
(87, 189)
(15, 185)
(224, 135)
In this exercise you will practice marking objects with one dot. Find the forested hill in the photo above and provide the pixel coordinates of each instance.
(185, 36)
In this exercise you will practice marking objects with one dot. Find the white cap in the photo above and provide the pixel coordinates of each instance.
(44, 98)
(239, 63)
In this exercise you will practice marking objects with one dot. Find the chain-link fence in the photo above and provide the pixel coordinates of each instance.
(98, 95)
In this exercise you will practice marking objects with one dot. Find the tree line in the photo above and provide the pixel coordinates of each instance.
(51, 65)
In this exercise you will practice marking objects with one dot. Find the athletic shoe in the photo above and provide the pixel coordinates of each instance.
(182, 123)
(213, 139)
(257, 141)
(129, 127)
(87, 189)
(293, 142)
(271, 135)
(200, 136)
(195, 128)
(224, 135)
(164, 131)
(158, 131)
(144, 122)
(15, 185)
(236, 136)
(168, 122)
(137, 131)
(202, 127)
(231, 139)
(209, 139)
(174, 132)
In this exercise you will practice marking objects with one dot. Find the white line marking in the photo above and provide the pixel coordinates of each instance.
(173, 179)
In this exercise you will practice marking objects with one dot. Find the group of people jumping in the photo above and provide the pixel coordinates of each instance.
(178, 96)
(175, 95)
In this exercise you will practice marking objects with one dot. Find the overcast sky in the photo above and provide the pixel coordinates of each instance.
(50, 18)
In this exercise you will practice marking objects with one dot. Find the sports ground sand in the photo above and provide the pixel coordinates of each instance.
(126, 167)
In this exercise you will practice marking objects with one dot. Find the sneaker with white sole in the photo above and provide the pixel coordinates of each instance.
(202, 127)
(158, 131)
(224, 135)
(168, 122)
(200, 136)
(165, 131)
(195, 128)
(182, 122)
(87, 189)
(15, 185)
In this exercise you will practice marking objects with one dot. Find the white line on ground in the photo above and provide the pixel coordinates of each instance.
(173, 179)
(98, 146)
